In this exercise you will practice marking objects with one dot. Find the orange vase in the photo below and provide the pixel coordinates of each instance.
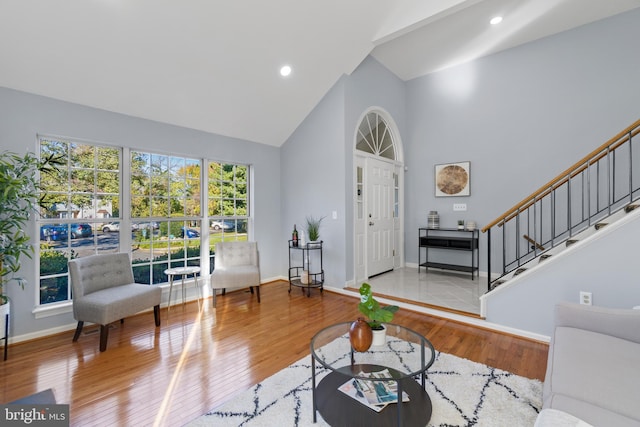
(360, 335)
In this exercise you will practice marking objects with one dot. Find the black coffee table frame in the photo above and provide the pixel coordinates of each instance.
(338, 409)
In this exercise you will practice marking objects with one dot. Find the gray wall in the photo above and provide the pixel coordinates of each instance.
(370, 85)
(23, 116)
(317, 161)
(312, 182)
(520, 117)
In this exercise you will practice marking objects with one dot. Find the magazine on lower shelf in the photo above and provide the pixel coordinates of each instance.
(373, 394)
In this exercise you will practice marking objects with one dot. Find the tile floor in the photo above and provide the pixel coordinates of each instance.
(436, 287)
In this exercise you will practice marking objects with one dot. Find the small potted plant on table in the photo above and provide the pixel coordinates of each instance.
(313, 228)
(376, 314)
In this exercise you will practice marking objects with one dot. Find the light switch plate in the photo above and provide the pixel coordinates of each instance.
(459, 206)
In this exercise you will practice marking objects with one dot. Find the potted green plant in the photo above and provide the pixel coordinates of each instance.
(313, 228)
(376, 314)
(20, 196)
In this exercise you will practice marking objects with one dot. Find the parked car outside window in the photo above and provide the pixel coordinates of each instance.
(112, 226)
(145, 225)
(225, 225)
(190, 233)
(81, 230)
(53, 233)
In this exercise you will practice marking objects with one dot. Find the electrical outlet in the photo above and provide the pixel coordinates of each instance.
(459, 206)
(585, 298)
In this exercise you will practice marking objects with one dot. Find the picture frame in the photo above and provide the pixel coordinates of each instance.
(452, 179)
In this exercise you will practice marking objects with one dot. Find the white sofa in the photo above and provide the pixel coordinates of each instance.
(593, 368)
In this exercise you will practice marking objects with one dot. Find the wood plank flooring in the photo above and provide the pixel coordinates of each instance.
(196, 360)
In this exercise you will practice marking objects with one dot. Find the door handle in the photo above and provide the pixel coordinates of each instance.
(370, 223)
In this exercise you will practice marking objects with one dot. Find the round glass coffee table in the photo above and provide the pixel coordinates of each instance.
(358, 386)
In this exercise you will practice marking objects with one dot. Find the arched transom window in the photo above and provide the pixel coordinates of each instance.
(375, 137)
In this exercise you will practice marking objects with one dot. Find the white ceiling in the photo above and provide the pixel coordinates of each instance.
(213, 65)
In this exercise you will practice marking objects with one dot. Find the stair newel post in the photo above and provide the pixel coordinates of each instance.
(630, 168)
(569, 205)
(504, 246)
(488, 259)
(516, 240)
(589, 191)
(553, 215)
(610, 197)
(535, 224)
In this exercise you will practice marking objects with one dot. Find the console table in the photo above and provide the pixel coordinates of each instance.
(449, 239)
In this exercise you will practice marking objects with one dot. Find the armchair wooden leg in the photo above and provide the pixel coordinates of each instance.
(156, 314)
(258, 292)
(78, 331)
(104, 335)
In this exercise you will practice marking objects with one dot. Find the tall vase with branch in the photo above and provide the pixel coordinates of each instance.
(20, 196)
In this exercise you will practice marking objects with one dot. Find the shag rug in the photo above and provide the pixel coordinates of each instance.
(462, 392)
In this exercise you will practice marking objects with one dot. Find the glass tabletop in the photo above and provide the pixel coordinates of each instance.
(405, 352)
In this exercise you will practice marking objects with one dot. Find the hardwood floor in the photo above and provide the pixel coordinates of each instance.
(195, 360)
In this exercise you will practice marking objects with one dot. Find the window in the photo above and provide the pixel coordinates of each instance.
(228, 202)
(374, 137)
(83, 213)
(79, 200)
(166, 214)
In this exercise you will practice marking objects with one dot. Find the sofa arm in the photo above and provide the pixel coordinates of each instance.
(618, 322)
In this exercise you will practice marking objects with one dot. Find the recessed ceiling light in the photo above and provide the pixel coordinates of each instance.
(285, 71)
(496, 20)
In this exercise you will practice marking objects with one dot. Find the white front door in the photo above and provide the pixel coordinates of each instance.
(379, 218)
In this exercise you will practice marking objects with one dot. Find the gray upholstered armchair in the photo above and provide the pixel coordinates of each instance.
(236, 266)
(104, 291)
(592, 370)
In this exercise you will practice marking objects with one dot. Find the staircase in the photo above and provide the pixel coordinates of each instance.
(535, 261)
(598, 190)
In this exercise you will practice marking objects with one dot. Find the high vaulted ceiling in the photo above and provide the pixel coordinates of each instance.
(214, 65)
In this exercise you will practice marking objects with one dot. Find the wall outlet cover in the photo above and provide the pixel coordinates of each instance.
(586, 298)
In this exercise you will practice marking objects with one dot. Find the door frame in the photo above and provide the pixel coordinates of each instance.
(359, 160)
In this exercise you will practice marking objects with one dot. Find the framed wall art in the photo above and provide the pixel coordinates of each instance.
(453, 179)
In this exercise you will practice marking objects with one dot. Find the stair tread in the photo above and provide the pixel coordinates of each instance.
(519, 270)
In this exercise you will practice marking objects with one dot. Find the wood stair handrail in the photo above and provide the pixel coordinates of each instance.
(568, 173)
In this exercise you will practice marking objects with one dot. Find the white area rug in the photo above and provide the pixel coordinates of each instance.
(462, 392)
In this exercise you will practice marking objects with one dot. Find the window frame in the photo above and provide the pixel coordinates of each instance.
(126, 220)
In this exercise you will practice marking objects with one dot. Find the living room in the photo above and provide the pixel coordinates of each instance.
(518, 116)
